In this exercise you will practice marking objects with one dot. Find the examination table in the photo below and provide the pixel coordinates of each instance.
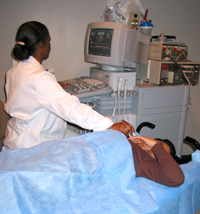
(92, 173)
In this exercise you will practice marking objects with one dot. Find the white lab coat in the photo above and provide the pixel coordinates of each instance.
(40, 107)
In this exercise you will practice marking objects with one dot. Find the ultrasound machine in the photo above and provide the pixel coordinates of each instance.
(128, 82)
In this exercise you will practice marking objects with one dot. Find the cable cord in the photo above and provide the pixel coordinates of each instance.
(125, 91)
(119, 85)
(190, 97)
(113, 113)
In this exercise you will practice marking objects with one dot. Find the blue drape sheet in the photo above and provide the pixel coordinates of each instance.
(92, 173)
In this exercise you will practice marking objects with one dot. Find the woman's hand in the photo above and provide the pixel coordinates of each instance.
(145, 143)
(148, 143)
(123, 127)
(64, 85)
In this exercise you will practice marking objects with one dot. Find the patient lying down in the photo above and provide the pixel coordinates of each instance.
(152, 160)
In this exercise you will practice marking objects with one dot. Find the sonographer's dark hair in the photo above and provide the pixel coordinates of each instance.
(28, 36)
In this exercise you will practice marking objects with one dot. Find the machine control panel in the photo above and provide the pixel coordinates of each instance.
(192, 73)
(168, 51)
(169, 73)
(86, 87)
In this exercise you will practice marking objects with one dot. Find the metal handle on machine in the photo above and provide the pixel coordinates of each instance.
(193, 142)
(145, 124)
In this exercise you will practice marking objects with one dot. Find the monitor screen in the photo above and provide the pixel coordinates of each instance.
(100, 42)
(115, 45)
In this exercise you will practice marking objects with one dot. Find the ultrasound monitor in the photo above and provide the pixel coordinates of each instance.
(100, 42)
(114, 46)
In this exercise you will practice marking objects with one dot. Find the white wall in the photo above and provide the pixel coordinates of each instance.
(67, 21)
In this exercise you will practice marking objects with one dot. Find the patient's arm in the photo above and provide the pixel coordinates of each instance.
(164, 170)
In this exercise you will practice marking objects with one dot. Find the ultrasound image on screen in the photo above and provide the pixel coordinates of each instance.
(100, 42)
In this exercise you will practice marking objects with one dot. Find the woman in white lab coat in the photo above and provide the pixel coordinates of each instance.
(38, 105)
